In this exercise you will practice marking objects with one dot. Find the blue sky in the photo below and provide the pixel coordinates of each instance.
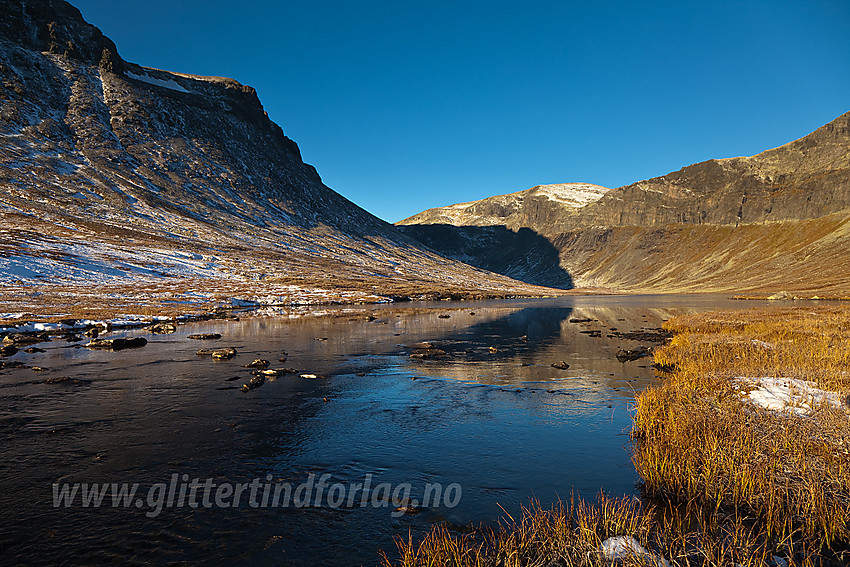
(403, 106)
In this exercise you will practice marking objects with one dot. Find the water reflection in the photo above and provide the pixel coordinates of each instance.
(492, 415)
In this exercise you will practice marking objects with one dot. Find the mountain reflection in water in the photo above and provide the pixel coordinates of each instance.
(492, 415)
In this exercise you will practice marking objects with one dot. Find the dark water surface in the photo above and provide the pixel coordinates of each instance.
(501, 423)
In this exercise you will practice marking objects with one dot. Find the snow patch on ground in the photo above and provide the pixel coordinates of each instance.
(94, 262)
(170, 84)
(787, 394)
(622, 549)
(8, 316)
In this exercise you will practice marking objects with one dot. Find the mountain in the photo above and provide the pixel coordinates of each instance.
(130, 188)
(540, 206)
(774, 221)
(503, 233)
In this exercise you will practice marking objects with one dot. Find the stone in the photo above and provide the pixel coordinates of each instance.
(633, 354)
(258, 363)
(561, 365)
(163, 328)
(204, 336)
(255, 382)
(223, 353)
(424, 353)
(8, 350)
(117, 344)
(274, 372)
(18, 339)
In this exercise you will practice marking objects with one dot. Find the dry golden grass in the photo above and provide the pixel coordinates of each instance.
(697, 439)
(571, 534)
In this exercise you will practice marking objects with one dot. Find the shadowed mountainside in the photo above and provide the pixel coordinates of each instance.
(521, 254)
(774, 221)
(125, 180)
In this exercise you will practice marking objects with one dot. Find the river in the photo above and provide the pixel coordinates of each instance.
(485, 429)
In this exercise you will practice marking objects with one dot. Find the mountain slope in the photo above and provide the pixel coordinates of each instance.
(150, 186)
(779, 220)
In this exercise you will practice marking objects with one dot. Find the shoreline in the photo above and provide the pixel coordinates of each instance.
(735, 471)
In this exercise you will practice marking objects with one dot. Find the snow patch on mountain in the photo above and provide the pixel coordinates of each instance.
(567, 198)
(574, 195)
(169, 84)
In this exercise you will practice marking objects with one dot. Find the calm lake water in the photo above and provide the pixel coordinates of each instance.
(500, 423)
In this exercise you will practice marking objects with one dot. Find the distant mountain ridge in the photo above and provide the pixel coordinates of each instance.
(778, 219)
(113, 174)
(539, 206)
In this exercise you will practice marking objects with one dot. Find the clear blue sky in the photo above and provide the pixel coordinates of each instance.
(403, 106)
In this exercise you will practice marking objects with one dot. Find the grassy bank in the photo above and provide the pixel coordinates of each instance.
(699, 437)
(727, 480)
(575, 533)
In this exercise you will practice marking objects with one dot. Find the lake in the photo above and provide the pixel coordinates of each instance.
(484, 429)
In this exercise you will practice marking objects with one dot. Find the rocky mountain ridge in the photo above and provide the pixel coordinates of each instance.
(775, 220)
(542, 205)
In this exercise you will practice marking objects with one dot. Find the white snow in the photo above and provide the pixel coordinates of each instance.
(170, 84)
(786, 394)
(7, 316)
(573, 194)
(623, 548)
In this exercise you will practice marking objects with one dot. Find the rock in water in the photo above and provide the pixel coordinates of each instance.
(8, 350)
(223, 353)
(258, 363)
(117, 344)
(19, 339)
(424, 353)
(561, 365)
(163, 328)
(204, 336)
(255, 382)
(633, 354)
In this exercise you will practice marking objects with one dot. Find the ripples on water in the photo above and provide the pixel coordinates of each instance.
(501, 422)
